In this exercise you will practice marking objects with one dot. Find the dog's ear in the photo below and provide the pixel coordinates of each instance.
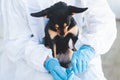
(42, 13)
(73, 9)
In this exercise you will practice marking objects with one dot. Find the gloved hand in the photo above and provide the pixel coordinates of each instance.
(53, 66)
(81, 58)
(71, 75)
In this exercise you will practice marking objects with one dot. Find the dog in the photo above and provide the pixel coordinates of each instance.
(61, 32)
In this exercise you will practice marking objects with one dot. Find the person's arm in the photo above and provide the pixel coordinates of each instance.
(36, 54)
(97, 37)
(19, 45)
(100, 30)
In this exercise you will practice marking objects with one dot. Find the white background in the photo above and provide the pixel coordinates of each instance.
(115, 6)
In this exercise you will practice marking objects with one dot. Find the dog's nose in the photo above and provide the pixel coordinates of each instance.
(62, 33)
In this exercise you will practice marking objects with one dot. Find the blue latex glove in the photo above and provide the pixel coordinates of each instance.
(58, 72)
(81, 58)
(71, 75)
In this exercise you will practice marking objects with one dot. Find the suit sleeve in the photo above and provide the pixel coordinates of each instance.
(19, 45)
(100, 28)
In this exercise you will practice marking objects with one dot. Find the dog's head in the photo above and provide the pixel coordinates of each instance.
(60, 15)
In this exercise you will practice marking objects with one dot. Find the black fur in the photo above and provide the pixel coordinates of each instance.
(56, 31)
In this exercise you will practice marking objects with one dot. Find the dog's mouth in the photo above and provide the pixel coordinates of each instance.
(65, 58)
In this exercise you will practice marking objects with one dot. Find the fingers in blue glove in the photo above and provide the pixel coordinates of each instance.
(55, 69)
(81, 58)
(71, 76)
(74, 64)
(56, 77)
(83, 66)
(79, 66)
(60, 72)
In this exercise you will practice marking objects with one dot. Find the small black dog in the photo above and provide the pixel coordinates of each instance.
(61, 30)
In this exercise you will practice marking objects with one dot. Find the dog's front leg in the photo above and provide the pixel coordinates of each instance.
(54, 50)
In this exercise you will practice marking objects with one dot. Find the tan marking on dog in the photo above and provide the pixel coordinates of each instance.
(73, 13)
(54, 48)
(66, 29)
(65, 24)
(56, 26)
(52, 34)
(45, 16)
(73, 30)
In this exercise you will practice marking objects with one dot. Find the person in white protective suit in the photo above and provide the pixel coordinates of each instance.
(24, 54)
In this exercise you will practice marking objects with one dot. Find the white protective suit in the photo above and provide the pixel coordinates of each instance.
(23, 55)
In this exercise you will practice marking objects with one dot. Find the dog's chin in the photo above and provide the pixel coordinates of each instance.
(65, 58)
